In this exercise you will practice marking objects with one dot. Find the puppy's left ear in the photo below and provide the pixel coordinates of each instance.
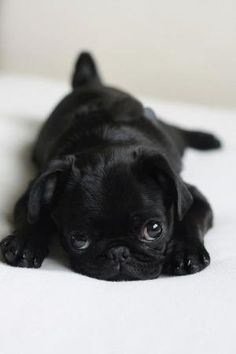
(43, 188)
(158, 164)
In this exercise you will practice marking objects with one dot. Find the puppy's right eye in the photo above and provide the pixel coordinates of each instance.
(151, 231)
(79, 242)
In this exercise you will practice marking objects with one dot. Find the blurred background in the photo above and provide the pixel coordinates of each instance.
(181, 50)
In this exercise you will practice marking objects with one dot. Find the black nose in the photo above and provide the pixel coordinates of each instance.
(118, 254)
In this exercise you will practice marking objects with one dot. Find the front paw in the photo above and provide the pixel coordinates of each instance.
(22, 252)
(186, 259)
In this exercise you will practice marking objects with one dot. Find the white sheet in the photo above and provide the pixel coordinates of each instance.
(53, 310)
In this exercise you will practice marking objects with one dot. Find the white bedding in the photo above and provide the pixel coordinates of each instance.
(53, 310)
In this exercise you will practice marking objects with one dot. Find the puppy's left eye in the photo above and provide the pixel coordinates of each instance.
(151, 231)
(79, 242)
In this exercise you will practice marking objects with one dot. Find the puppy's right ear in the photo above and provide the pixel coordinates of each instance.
(44, 187)
(155, 164)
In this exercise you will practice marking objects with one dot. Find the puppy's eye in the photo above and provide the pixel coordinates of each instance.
(151, 231)
(79, 242)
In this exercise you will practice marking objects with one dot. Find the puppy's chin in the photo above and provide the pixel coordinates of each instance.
(118, 272)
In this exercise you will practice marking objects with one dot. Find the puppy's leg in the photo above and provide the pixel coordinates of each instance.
(186, 253)
(27, 246)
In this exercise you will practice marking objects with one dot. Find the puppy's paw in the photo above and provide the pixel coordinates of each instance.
(22, 252)
(185, 259)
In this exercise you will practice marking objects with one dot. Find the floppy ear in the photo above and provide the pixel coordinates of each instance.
(43, 188)
(182, 197)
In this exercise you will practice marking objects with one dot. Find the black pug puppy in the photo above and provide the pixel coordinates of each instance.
(109, 186)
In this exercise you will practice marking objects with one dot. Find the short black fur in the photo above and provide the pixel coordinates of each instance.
(109, 186)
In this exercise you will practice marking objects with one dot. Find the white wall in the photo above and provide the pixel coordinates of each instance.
(179, 49)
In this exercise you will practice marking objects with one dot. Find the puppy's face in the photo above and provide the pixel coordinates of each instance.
(112, 225)
(115, 220)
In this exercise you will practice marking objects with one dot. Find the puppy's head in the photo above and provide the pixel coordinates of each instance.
(114, 212)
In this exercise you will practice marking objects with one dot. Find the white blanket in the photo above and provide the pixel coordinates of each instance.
(53, 310)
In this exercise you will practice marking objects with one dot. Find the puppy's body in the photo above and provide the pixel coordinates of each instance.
(100, 117)
(109, 186)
